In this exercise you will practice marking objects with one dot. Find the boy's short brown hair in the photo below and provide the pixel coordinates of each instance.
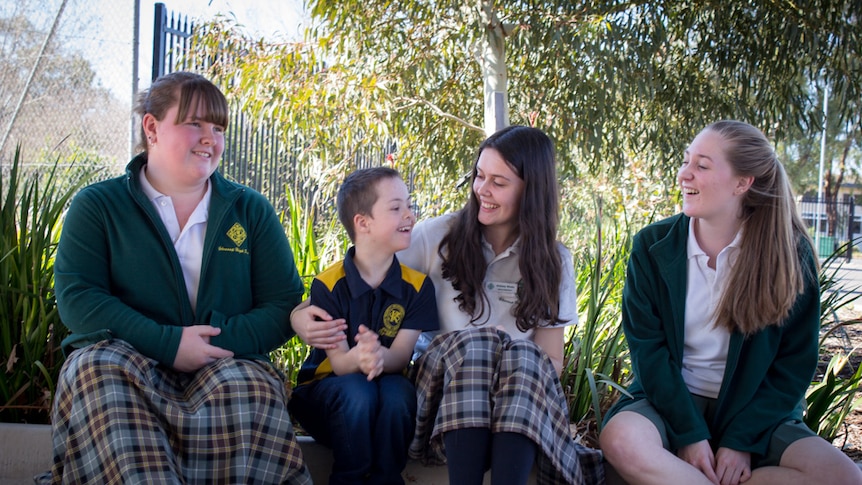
(358, 193)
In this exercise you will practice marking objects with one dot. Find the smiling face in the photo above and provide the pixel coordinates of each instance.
(499, 190)
(184, 153)
(391, 220)
(710, 188)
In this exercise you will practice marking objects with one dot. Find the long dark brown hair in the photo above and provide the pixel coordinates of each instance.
(530, 153)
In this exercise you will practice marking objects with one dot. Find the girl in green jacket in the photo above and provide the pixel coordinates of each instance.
(721, 310)
(176, 284)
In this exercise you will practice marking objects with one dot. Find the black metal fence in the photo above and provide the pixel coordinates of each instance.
(171, 37)
(254, 154)
(838, 223)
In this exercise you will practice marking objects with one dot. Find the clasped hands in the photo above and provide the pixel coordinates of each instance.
(725, 467)
(317, 328)
(370, 352)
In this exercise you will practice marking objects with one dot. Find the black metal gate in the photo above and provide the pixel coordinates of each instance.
(838, 223)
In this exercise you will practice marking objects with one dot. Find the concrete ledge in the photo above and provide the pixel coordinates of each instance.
(25, 451)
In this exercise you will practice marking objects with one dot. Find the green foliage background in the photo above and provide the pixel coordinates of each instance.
(620, 86)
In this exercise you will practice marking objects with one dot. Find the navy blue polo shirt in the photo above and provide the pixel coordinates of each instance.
(405, 299)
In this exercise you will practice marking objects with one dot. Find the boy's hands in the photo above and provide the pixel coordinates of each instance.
(370, 352)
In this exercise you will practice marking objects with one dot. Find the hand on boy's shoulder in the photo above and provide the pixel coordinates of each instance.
(316, 327)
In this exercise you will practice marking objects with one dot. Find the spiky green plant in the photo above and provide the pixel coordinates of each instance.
(596, 363)
(299, 222)
(831, 399)
(30, 327)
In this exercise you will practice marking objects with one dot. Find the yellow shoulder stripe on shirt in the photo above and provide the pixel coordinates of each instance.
(332, 275)
(323, 370)
(413, 277)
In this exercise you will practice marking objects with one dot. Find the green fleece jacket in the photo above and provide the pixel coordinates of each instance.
(767, 373)
(117, 274)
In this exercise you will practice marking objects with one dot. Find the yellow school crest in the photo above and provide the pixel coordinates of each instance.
(392, 318)
(237, 234)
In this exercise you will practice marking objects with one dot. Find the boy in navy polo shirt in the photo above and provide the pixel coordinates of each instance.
(355, 398)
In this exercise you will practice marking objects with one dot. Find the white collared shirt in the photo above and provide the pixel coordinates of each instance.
(705, 353)
(188, 243)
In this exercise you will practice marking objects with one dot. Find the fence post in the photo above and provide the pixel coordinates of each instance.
(850, 242)
(160, 20)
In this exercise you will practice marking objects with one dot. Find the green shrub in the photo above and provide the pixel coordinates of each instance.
(831, 400)
(311, 258)
(833, 397)
(596, 361)
(30, 327)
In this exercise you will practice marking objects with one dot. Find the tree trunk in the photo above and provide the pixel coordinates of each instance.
(492, 58)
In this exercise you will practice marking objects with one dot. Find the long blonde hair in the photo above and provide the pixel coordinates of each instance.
(769, 273)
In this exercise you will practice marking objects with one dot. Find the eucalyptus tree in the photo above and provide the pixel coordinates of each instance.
(620, 85)
(612, 80)
(842, 155)
(838, 151)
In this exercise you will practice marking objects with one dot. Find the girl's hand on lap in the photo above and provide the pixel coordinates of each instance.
(732, 467)
(699, 455)
(195, 350)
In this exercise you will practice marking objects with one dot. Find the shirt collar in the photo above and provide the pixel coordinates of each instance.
(155, 195)
(148, 188)
(200, 213)
(358, 286)
(513, 249)
(694, 249)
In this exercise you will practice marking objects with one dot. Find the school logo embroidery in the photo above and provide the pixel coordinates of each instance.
(392, 318)
(237, 234)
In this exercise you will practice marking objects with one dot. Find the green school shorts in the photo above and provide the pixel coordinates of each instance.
(785, 434)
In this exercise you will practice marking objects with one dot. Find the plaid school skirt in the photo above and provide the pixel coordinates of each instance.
(482, 378)
(119, 417)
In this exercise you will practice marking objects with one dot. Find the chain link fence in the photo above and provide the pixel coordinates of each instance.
(69, 72)
(67, 78)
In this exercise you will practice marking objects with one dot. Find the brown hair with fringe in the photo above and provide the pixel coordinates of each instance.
(184, 90)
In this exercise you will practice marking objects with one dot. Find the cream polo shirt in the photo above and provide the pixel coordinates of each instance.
(188, 243)
(704, 354)
(501, 280)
